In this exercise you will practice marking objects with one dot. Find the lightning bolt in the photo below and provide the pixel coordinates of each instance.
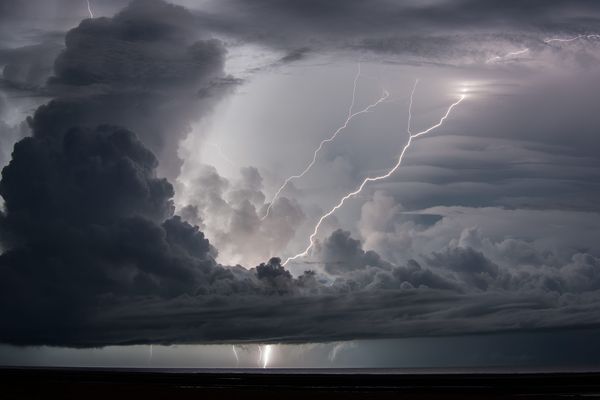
(89, 7)
(355, 84)
(349, 118)
(412, 94)
(265, 355)
(260, 354)
(563, 40)
(372, 179)
(150, 358)
(507, 55)
(237, 358)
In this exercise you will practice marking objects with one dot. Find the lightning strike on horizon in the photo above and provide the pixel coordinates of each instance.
(260, 354)
(507, 55)
(349, 117)
(372, 179)
(150, 358)
(89, 7)
(265, 355)
(237, 358)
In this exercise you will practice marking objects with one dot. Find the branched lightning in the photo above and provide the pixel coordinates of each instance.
(592, 36)
(372, 179)
(349, 117)
(547, 41)
(89, 7)
(264, 355)
(507, 55)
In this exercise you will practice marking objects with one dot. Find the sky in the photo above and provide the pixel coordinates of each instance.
(331, 183)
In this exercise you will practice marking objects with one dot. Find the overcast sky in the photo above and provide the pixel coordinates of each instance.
(160, 184)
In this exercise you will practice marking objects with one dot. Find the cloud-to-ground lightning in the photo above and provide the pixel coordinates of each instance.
(349, 118)
(260, 354)
(507, 55)
(89, 7)
(237, 358)
(372, 179)
(265, 355)
(563, 40)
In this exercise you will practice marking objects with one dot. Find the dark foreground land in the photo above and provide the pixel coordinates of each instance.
(37, 383)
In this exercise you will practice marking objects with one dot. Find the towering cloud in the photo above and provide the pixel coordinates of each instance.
(149, 68)
(86, 220)
(95, 253)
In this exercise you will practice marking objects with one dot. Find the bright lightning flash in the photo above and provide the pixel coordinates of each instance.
(563, 40)
(507, 55)
(372, 179)
(412, 95)
(89, 7)
(237, 358)
(266, 355)
(349, 117)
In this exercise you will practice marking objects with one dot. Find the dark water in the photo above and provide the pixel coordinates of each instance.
(174, 383)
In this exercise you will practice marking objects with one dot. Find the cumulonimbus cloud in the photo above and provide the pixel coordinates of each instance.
(93, 253)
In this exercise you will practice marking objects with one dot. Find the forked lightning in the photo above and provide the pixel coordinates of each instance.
(372, 179)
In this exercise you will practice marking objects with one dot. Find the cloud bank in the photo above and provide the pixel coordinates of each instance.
(95, 253)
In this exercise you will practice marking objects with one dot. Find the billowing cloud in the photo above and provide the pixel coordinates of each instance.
(149, 68)
(230, 214)
(101, 244)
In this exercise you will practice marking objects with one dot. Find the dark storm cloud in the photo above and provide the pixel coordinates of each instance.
(29, 67)
(149, 68)
(295, 55)
(444, 296)
(86, 220)
(342, 253)
(82, 220)
(428, 29)
(9, 135)
(92, 251)
(471, 265)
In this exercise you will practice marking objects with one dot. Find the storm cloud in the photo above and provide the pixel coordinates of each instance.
(149, 69)
(114, 228)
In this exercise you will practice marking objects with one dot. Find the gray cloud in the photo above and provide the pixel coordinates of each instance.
(150, 59)
(30, 66)
(93, 253)
(230, 213)
(430, 32)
